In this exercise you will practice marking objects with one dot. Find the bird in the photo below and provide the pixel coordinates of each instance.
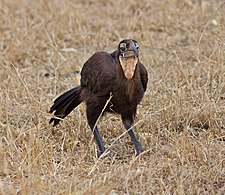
(119, 77)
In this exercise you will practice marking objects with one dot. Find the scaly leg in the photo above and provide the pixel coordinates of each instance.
(99, 141)
(93, 111)
(137, 144)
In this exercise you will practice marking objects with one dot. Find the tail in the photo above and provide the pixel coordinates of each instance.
(65, 103)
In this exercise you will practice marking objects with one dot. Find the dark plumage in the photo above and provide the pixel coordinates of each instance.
(119, 74)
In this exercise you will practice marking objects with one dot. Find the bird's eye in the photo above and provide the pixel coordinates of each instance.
(137, 46)
(122, 47)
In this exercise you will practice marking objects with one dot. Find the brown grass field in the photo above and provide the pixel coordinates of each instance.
(180, 122)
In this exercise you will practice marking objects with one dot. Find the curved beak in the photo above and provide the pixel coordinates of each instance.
(131, 50)
(133, 47)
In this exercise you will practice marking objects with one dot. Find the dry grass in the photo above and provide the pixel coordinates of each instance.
(181, 121)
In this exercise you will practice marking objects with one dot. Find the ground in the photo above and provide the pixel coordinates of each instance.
(180, 122)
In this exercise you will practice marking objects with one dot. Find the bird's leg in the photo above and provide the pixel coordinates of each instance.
(95, 107)
(137, 144)
(93, 111)
(99, 141)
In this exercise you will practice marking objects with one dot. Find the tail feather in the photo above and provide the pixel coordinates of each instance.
(65, 103)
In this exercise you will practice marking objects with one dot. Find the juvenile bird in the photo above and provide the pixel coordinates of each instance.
(118, 75)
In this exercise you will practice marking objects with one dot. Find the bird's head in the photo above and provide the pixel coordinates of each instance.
(128, 52)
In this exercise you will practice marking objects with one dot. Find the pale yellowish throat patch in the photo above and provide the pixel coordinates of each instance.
(128, 66)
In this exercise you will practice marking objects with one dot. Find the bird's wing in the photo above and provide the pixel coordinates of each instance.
(98, 73)
(144, 76)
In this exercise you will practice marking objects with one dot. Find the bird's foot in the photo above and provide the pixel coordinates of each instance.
(138, 148)
(100, 152)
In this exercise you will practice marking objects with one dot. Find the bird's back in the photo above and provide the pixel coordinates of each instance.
(98, 73)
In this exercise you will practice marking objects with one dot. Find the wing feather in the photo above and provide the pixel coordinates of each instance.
(144, 76)
(98, 73)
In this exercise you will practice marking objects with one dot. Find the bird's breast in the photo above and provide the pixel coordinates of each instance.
(126, 98)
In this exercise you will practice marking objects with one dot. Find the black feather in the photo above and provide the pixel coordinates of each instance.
(65, 103)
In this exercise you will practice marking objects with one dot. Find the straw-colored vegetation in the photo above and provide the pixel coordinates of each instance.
(180, 122)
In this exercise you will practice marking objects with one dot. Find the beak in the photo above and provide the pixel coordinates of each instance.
(131, 50)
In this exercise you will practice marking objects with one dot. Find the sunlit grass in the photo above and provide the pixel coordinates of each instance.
(180, 122)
